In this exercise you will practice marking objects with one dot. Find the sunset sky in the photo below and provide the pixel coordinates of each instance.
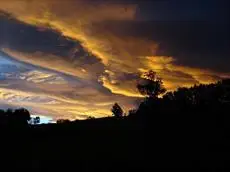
(76, 58)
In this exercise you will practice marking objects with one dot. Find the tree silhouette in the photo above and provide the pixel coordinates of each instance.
(151, 85)
(225, 84)
(9, 112)
(63, 121)
(36, 120)
(117, 110)
(21, 116)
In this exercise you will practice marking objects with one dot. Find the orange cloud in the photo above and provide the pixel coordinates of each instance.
(99, 29)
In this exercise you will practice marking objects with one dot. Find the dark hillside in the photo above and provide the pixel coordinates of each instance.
(187, 129)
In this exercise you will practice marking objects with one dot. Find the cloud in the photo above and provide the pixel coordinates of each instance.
(44, 92)
(95, 51)
(121, 83)
(59, 64)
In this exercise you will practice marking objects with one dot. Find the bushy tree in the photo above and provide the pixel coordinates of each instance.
(117, 110)
(21, 116)
(151, 85)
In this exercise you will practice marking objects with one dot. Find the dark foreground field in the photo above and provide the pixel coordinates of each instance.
(112, 144)
(106, 144)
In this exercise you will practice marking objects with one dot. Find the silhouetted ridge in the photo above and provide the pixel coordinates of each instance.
(187, 129)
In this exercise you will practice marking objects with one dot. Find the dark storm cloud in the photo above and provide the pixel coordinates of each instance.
(25, 38)
(195, 32)
(184, 10)
(192, 43)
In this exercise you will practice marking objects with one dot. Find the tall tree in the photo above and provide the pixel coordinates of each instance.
(151, 85)
(117, 110)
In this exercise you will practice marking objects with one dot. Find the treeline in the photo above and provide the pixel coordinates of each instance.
(18, 117)
(203, 97)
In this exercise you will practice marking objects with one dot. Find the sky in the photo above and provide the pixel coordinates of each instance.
(75, 58)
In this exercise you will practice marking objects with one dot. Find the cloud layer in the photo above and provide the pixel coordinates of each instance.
(75, 53)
